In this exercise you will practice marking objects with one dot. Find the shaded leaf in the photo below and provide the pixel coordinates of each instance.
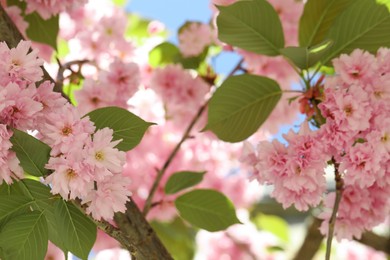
(43, 31)
(274, 224)
(317, 18)
(304, 57)
(78, 231)
(25, 237)
(207, 209)
(251, 25)
(364, 25)
(240, 105)
(32, 153)
(182, 180)
(127, 126)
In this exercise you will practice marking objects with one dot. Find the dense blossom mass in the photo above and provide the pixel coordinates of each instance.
(354, 138)
(84, 161)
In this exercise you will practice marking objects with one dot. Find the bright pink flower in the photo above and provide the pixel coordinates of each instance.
(357, 67)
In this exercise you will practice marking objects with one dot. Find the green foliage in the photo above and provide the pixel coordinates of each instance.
(42, 200)
(120, 2)
(39, 30)
(166, 53)
(251, 25)
(25, 237)
(43, 31)
(317, 18)
(207, 209)
(127, 126)
(240, 105)
(304, 57)
(182, 180)
(12, 204)
(32, 153)
(274, 225)
(77, 230)
(177, 237)
(364, 25)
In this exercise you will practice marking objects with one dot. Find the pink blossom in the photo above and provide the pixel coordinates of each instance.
(48, 8)
(110, 196)
(359, 66)
(102, 155)
(20, 63)
(19, 107)
(94, 95)
(194, 38)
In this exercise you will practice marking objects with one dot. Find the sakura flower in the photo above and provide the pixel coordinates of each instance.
(194, 38)
(109, 197)
(101, 153)
(20, 63)
(359, 66)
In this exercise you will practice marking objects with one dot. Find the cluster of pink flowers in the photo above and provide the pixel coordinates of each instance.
(194, 38)
(48, 8)
(355, 136)
(85, 163)
(182, 92)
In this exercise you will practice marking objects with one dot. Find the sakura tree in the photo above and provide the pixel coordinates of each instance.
(117, 142)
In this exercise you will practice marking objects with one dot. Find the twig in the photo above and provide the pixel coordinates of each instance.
(186, 135)
(332, 220)
(172, 155)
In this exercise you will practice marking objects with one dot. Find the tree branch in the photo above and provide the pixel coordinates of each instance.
(312, 241)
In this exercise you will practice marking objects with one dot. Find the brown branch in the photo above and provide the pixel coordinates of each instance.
(312, 241)
(146, 243)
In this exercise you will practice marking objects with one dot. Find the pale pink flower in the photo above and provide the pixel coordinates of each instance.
(94, 95)
(48, 8)
(111, 196)
(102, 154)
(71, 178)
(194, 38)
(20, 63)
(19, 107)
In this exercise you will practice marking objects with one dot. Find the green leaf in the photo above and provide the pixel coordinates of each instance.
(25, 237)
(44, 201)
(127, 126)
(240, 105)
(182, 180)
(32, 153)
(207, 209)
(77, 230)
(274, 225)
(364, 25)
(251, 25)
(317, 18)
(177, 237)
(166, 53)
(304, 57)
(12, 204)
(163, 54)
(43, 31)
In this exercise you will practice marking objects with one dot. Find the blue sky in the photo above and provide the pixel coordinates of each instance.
(174, 13)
